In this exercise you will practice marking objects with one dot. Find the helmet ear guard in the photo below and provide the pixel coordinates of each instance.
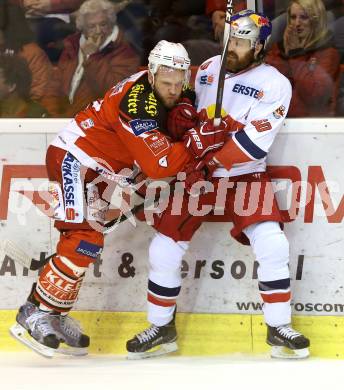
(251, 25)
(171, 55)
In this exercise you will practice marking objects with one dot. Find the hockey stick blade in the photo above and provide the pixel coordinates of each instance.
(11, 250)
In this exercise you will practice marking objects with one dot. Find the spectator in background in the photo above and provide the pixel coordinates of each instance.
(181, 21)
(2, 12)
(95, 58)
(307, 57)
(15, 83)
(131, 20)
(16, 37)
(338, 28)
(216, 9)
(279, 23)
(51, 23)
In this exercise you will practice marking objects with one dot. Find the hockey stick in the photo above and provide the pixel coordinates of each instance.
(222, 72)
(11, 250)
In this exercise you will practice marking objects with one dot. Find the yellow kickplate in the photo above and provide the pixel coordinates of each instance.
(198, 334)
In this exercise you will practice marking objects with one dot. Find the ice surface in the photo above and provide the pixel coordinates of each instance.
(28, 371)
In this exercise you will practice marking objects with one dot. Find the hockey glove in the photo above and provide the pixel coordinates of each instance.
(199, 171)
(182, 117)
(204, 138)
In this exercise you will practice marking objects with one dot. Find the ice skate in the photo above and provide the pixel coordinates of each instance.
(43, 332)
(286, 343)
(153, 341)
(70, 333)
(34, 329)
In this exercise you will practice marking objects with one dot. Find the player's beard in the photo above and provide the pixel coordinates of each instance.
(167, 102)
(235, 65)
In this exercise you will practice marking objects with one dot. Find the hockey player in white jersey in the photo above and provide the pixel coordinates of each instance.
(255, 103)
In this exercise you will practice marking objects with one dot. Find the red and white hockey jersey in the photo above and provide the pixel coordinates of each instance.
(255, 103)
(127, 126)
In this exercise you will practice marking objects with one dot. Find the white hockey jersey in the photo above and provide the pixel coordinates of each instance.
(255, 103)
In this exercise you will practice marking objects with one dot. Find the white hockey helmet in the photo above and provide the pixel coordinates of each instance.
(170, 54)
(250, 25)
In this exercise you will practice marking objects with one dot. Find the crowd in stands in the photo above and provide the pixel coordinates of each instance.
(69, 52)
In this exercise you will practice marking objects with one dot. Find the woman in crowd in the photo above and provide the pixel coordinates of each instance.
(308, 58)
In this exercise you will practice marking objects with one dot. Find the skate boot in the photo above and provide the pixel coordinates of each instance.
(69, 332)
(287, 343)
(44, 331)
(153, 341)
(34, 329)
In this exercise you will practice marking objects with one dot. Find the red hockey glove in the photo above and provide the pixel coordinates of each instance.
(182, 117)
(204, 138)
(199, 171)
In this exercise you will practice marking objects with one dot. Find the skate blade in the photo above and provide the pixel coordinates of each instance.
(72, 351)
(162, 350)
(286, 353)
(21, 334)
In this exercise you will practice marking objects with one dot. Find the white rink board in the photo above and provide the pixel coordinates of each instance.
(310, 146)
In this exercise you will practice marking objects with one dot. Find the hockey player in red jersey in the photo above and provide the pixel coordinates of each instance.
(255, 102)
(99, 145)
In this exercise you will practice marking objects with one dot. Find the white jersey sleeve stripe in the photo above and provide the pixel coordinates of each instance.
(247, 145)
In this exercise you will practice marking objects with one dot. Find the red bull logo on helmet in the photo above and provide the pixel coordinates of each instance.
(259, 20)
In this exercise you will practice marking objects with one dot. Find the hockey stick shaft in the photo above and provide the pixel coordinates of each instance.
(141, 206)
(222, 72)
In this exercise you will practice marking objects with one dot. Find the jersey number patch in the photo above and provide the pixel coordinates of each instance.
(262, 125)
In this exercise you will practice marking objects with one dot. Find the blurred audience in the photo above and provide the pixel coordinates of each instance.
(308, 58)
(340, 100)
(337, 26)
(95, 58)
(15, 83)
(180, 21)
(338, 30)
(51, 22)
(16, 37)
(131, 19)
(2, 12)
(216, 9)
(92, 44)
